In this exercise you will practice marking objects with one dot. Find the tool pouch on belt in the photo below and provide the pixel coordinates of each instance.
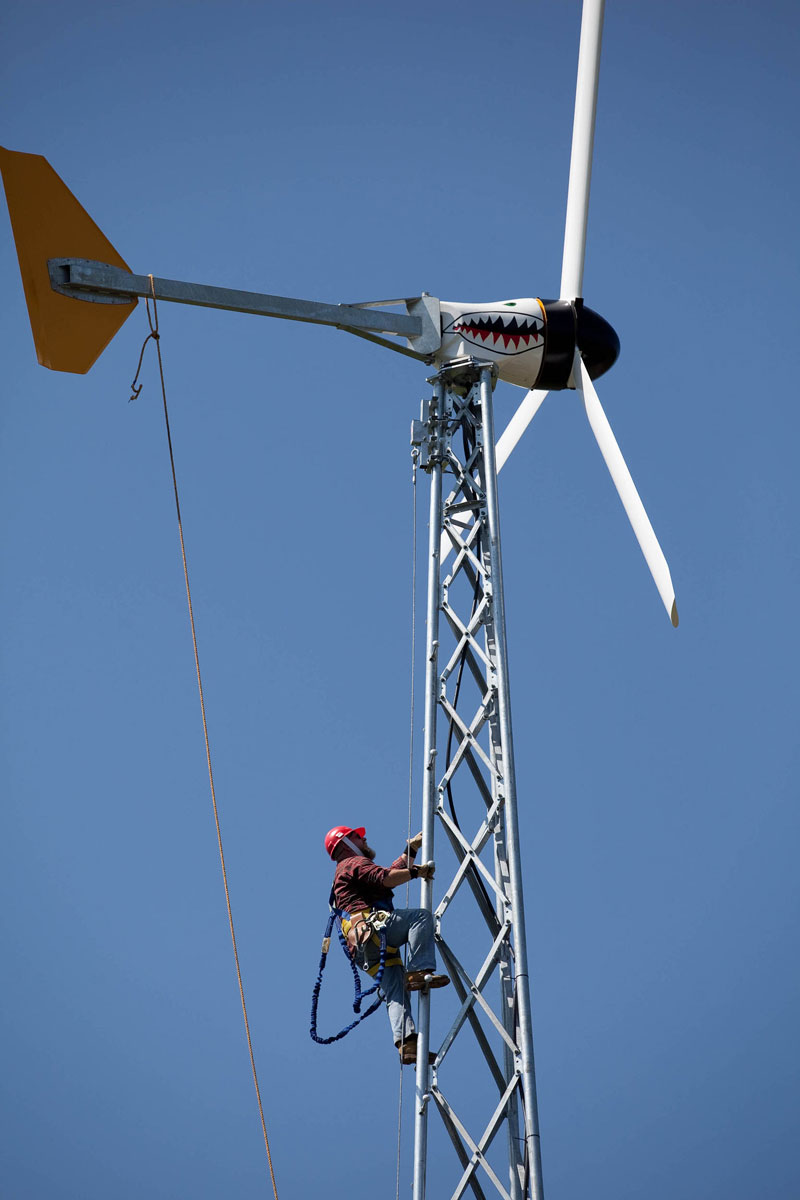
(357, 931)
(364, 927)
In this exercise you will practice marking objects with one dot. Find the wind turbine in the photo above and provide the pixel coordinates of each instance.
(596, 346)
(575, 345)
(80, 291)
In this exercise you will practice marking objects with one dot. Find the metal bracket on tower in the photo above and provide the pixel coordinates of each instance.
(430, 434)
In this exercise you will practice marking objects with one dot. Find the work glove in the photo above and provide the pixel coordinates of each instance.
(414, 844)
(426, 870)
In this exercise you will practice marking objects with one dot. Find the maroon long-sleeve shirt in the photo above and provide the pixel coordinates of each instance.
(360, 883)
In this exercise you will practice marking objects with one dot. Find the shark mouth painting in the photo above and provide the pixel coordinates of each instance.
(504, 333)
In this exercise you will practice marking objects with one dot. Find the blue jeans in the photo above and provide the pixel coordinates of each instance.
(406, 926)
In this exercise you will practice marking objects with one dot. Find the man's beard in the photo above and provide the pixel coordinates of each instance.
(369, 852)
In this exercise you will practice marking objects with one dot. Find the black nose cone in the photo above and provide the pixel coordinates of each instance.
(571, 323)
(597, 341)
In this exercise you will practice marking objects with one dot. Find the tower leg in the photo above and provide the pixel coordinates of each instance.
(436, 423)
(522, 979)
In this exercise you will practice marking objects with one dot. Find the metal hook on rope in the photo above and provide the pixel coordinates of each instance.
(154, 334)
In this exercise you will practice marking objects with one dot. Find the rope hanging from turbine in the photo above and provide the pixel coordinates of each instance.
(135, 392)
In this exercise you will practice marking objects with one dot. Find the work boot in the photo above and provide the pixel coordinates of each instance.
(417, 981)
(408, 1052)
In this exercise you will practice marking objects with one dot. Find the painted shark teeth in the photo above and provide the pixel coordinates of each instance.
(506, 332)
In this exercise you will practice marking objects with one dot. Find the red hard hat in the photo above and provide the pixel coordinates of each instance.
(335, 835)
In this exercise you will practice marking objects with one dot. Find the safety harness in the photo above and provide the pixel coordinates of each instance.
(355, 931)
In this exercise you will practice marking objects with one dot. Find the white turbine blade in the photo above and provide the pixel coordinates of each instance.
(621, 476)
(505, 444)
(580, 167)
(517, 426)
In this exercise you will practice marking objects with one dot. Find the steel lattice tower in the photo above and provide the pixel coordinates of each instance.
(469, 800)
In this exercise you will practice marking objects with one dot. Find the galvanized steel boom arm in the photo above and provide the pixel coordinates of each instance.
(100, 282)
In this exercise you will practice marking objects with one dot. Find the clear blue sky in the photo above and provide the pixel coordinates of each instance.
(350, 152)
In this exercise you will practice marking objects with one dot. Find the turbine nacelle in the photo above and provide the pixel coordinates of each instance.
(532, 341)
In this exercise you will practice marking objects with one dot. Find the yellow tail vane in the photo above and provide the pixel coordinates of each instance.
(48, 222)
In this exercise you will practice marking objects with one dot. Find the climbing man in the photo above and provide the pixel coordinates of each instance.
(362, 894)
